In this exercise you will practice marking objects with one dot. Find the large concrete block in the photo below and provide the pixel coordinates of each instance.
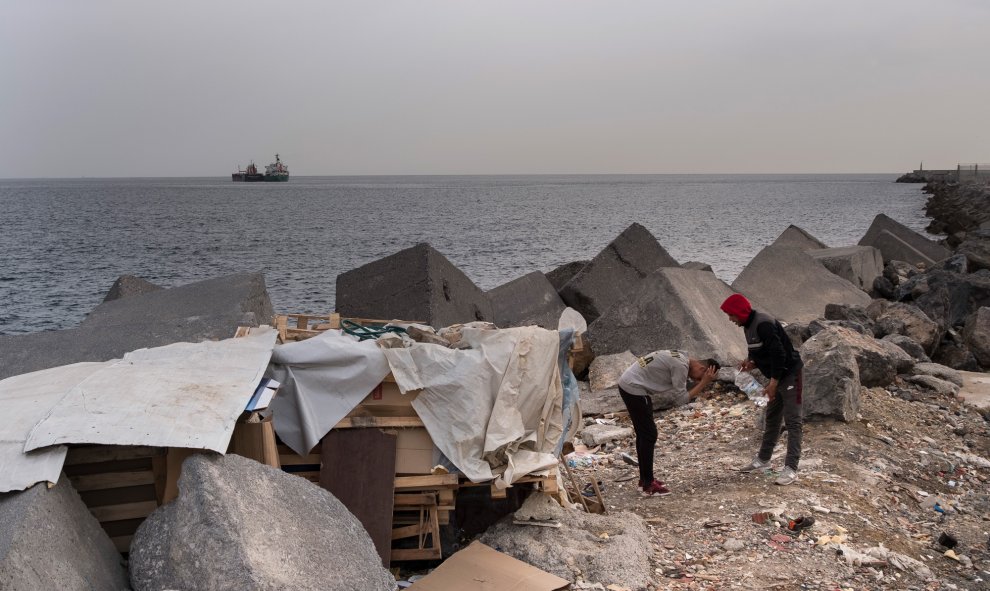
(206, 310)
(794, 287)
(671, 309)
(902, 243)
(831, 378)
(238, 524)
(615, 271)
(529, 299)
(128, 286)
(50, 540)
(564, 273)
(798, 238)
(417, 283)
(859, 265)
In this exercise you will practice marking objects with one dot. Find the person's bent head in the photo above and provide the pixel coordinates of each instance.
(738, 308)
(698, 367)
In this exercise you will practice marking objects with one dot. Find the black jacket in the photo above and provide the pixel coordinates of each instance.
(769, 346)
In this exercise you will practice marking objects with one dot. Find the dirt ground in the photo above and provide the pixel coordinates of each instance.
(913, 467)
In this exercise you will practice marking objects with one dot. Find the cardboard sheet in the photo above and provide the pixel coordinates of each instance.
(481, 568)
(182, 395)
(25, 400)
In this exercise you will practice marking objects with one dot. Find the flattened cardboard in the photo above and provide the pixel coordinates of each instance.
(482, 568)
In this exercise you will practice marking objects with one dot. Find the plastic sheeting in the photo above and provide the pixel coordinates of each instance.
(182, 395)
(26, 399)
(323, 378)
(498, 404)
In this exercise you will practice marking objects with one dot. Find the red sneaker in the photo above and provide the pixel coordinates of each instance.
(655, 489)
(639, 486)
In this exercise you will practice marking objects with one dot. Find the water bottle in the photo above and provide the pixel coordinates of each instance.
(752, 388)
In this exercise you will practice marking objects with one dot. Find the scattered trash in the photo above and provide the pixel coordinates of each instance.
(800, 524)
(580, 459)
(629, 459)
(589, 489)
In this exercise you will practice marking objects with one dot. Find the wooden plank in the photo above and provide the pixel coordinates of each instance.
(412, 500)
(401, 554)
(159, 467)
(293, 460)
(118, 496)
(124, 511)
(358, 468)
(111, 480)
(409, 531)
(173, 463)
(255, 440)
(379, 422)
(425, 482)
(110, 453)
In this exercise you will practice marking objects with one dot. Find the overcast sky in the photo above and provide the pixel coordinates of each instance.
(100, 88)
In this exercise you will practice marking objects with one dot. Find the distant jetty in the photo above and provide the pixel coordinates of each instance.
(961, 173)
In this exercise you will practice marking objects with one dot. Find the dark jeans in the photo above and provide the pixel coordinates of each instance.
(641, 412)
(786, 405)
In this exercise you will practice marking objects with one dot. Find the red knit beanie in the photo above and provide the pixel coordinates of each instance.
(737, 305)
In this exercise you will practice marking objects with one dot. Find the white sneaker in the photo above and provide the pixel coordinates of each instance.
(756, 464)
(787, 476)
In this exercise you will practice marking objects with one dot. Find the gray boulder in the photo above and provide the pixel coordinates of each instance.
(831, 378)
(417, 284)
(909, 346)
(878, 362)
(905, 319)
(605, 371)
(976, 249)
(976, 335)
(50, 540)
(793, 286)
(239, 524)
(946, 297)
(206, 310)
(128, 285)
(897, 241)
(798, 333)
(527, 300)
(697, 266)
(596, 434)
(564, 273)
(671, 309)
(617, 269)
(859, 265)
(956, 356)
(939, 386)
(939, 371)
(798, 238)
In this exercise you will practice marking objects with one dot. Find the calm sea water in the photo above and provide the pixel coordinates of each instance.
(64, 242)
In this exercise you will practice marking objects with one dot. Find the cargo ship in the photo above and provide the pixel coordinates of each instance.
(276, 172)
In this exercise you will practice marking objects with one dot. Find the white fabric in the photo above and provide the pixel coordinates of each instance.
(497, 404)
(181, 395)
(323, 378)
(26, 399)
(571, 318)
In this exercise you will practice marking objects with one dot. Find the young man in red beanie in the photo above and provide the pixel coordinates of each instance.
(771, 352)
(663, 373)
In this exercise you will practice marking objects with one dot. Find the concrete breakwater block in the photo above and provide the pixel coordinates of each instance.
(859, 265)
(564, 273)
(417, 283)
(902, 243)
(614, 271)
(672, 309)
(238, 524)
(50, 540)
(798, 238)
(128, 285)
(831, 378)
(526, 300)
(794, 287)
(205, 310)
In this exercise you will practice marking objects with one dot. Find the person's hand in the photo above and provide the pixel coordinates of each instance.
(771, 390)
(709, 376)
(746, 365)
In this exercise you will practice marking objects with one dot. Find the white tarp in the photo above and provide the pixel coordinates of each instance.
(323, 378)
(497, 404)
(181, 395)
(26, 399)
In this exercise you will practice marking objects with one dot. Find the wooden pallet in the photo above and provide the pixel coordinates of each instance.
(299, 327)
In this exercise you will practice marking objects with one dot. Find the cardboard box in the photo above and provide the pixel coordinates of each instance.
(482, 568)
(414, 451)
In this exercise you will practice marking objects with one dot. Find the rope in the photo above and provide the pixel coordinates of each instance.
(364, 333)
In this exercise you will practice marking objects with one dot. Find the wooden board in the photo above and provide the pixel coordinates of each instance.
(358, 468)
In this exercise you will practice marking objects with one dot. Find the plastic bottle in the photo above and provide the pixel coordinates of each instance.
(752, 388)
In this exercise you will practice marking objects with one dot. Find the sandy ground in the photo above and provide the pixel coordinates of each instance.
(871, 485)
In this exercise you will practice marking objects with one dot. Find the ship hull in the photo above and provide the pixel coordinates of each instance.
(276, 178)
(243, 177)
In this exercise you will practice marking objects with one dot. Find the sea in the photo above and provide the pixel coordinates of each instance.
(65, 241)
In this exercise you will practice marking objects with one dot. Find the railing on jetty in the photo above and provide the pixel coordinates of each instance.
(973, 173)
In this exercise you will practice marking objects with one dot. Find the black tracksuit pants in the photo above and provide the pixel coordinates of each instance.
(786, 405)
(641, 412)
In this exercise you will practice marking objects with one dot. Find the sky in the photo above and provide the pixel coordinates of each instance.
(130, 89)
